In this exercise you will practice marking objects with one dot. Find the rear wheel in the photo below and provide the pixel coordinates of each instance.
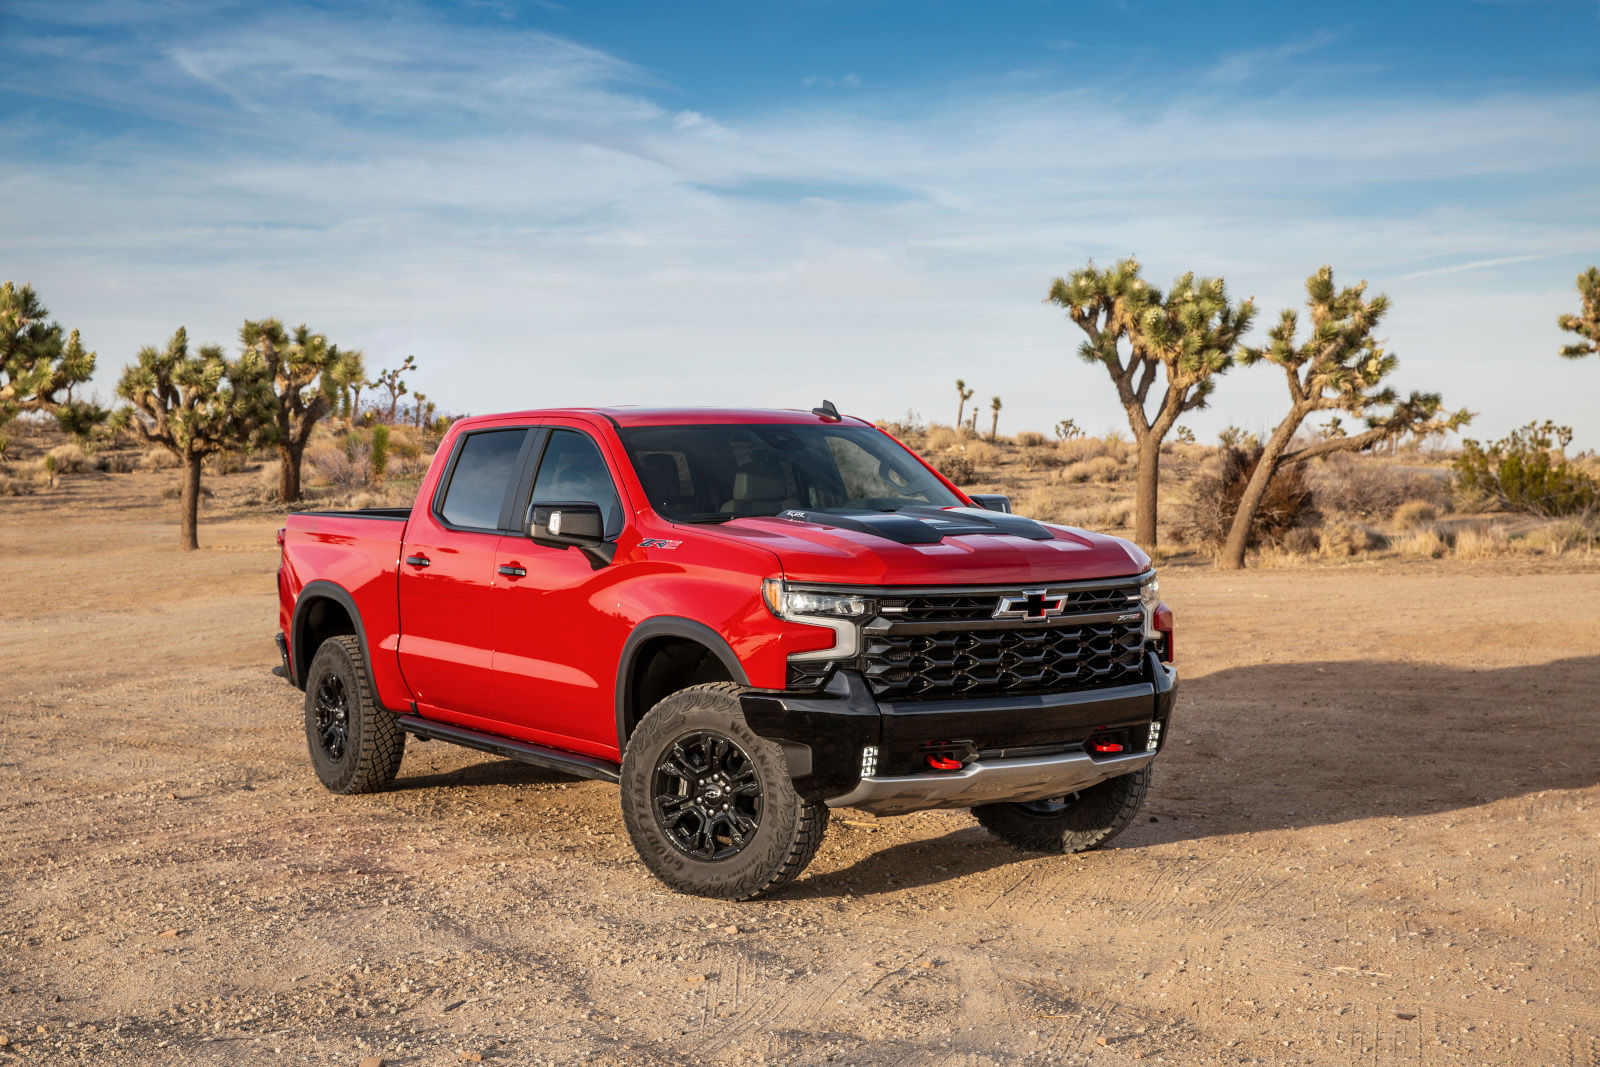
(1073, 823)
(356, 746)
(709, 804)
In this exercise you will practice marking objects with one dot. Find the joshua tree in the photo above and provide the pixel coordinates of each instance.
(965, 394)
(1339, 367)
(1186, 338)
(305, 373)
(390, 380)
(36, 361)
(994, 421)
(1586, 324)
(418, 401)
(81, 419)
(195, 406)
(1067, 429)
(349, 375)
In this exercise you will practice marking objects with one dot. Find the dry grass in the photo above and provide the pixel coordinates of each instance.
(1482, 540)
(1415, 513)
(1102, 468)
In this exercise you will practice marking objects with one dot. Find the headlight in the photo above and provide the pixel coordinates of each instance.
(802, 604)
(1149, 600)
(836, 611)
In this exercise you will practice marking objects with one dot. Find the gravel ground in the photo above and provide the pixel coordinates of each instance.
(1374, 839)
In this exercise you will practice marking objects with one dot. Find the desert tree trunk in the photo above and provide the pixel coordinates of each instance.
(290, 456)
(1149, 483)
(1255, 491)
(189, 503)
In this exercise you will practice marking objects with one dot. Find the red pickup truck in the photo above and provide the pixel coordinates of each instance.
(745, 618)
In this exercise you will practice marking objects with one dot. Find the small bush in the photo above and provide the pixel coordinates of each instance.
(1098, 469)
(1422, 540)
(1032, 439)
(69, 459)
(1041, 458)
(1342, 538)
(1523, 473)
(1415, 513)
(1116, 513)
(1077, 449)
(944, 438)
(1481, 540)
(1300, 541)
(984, 454)
(1362, 487)
(957, 467)
(158, 459)
(1567, 535)
(1206, 514)
(379, 457)
(229, 462)
(10, 486)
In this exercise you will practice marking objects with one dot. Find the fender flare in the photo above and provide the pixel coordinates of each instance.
(667, 626)
(322, 589)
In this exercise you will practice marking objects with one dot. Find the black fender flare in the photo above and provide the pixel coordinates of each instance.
(300, 656)
(667, 626)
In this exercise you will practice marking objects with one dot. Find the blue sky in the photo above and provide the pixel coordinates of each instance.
(768, 203)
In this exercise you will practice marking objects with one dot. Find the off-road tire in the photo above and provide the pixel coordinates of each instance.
(1099, 814)
(787, 833)
(373, 743)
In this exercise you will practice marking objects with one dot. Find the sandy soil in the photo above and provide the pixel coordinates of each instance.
(1375, 839)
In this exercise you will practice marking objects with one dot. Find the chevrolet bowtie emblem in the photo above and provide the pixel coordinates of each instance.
(1034, 605)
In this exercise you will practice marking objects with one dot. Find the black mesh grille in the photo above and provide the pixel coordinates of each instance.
(966, 607)
(1036, 659)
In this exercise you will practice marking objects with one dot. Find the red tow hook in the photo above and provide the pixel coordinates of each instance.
(1104, 747)
(943, 763)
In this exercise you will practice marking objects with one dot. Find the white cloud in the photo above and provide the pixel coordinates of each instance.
(533, 220)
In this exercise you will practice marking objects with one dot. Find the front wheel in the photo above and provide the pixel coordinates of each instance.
(1073, 823)
(709, 804)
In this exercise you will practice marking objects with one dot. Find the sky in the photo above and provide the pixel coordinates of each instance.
(767, 203)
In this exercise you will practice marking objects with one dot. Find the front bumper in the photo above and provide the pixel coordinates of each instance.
(1011, 749)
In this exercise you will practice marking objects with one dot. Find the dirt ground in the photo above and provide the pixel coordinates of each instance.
(1374, 839)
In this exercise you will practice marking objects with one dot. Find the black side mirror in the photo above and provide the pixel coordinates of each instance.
(576, 524)
(992, 501)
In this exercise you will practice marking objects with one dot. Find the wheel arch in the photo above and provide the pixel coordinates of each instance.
(671, 635)
(323, 609)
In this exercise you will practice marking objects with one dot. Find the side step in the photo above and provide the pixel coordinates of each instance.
(538, 755)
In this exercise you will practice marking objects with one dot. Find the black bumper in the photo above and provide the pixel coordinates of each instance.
(823, 734)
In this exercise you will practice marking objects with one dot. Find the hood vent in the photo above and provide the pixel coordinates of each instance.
(925, 526)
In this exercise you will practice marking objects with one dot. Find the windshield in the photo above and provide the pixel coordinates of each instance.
(714, 473)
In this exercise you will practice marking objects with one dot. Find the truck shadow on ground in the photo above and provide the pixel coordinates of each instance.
(1283, 746)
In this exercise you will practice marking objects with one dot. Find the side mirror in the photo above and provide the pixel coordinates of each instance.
(576, 524)
(992, 501)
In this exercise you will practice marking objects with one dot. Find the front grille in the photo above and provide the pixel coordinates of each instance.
(1027, 659)
(967, 607)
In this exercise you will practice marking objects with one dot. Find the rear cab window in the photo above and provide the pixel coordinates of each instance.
(480, 478)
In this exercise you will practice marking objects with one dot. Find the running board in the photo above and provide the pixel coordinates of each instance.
(538, 755)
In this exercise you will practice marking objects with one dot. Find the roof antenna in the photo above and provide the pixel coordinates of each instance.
(828, 412)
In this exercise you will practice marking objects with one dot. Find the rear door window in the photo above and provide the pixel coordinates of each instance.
(481, 477)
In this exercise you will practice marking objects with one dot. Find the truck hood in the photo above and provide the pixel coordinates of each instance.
(932, 546)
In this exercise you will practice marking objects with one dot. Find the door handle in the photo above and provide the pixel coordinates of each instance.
(513, 571)
(417, 561)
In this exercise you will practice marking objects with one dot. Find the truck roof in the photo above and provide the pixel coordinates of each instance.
(627, 415)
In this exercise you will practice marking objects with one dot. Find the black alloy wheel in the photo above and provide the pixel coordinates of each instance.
(333, 716)
(707, 795)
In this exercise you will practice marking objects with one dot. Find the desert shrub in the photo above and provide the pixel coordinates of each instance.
(1039, 459)
(1422, 539)
(68, 459)
(984, 454)
(1365, 488)
(173, 492)
(1031, 439)
(344, 467)
(1567, 535)
(1415, 513)
(1041, 504)
(229, 462)
(1300, 541)
(1481, 540)
(1344, 538)
(1116, 513)
(157, 459)
(957, 467)
(1077, 449)
(1067, 430)
(1098, 469)
(118, 462)
(1522, 472)
(10, 486)
(1206, 512)
(943, 438)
